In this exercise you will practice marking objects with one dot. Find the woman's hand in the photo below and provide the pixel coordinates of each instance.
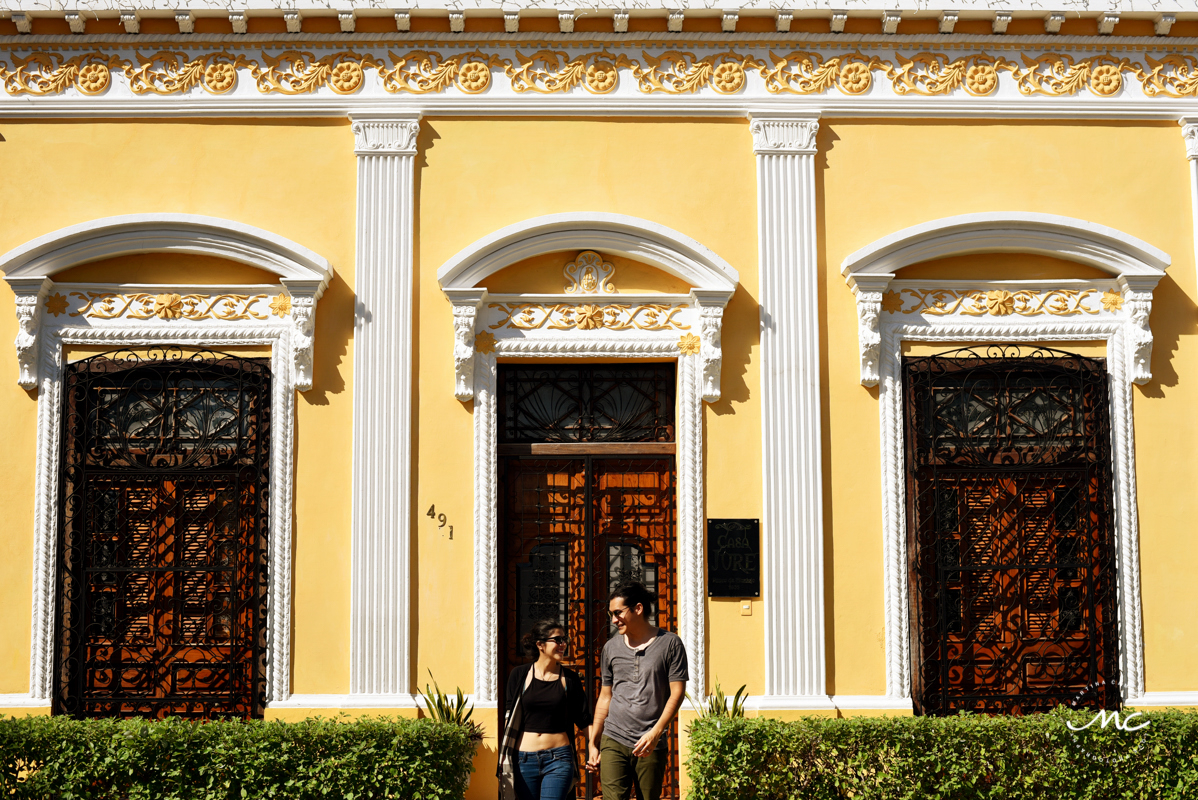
(593, 761)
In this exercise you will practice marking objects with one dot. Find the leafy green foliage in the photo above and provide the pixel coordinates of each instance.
(717, 704)
(452, 711)
(58, 758)
(954, 758)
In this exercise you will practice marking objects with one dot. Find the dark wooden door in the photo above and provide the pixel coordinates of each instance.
(1011, 535)
(162, 535)
(587, 501)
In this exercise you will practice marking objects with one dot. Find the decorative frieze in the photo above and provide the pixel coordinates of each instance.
(870, 71)
(589, 316)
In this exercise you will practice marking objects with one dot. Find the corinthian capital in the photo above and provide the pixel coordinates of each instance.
(378, 135)
(783, 134)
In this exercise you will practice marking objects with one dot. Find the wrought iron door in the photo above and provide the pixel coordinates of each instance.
(1010, 528)
(582, 511)
(162, 534)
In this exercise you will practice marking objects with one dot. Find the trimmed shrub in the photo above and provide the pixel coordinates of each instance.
(44, 758)
(965, 757)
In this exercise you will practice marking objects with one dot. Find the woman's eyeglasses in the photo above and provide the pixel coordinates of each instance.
(557, 640)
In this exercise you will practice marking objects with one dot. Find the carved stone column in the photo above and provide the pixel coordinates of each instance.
(793, 524)
(380, 601)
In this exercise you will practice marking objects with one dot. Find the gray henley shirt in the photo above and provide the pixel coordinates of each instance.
(640, 684)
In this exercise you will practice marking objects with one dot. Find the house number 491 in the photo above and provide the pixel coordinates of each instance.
(433, 515)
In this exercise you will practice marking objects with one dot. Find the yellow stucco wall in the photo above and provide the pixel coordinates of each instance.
(248, 171)
(875, 178)
(470, 186)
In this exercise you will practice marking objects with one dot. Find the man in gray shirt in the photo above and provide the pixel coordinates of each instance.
(644, 672)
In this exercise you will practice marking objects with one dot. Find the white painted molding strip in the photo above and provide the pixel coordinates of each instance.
(380, 571)
(792, 536)
(1189, 133)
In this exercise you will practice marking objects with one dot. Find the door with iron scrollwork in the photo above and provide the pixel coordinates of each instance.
(1011, 530)
(587, 502)
(162, 535)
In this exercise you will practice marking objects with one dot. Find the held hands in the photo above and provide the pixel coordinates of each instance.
(593, 760)
(645, 745)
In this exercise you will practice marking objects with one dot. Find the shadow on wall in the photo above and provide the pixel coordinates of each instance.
(334, 328)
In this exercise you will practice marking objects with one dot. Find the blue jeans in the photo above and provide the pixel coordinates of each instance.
(545, 774)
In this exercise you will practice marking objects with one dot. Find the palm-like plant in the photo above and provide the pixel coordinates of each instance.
(451, 710)
(717, 704)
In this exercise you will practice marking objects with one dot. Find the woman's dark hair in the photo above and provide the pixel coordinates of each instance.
(633, 594)
(539, 632)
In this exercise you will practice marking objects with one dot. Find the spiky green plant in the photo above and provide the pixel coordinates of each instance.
(717, 704)
(453, 710)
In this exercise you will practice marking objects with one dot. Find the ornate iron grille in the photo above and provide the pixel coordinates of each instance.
(573, 530)
(162, 534)
(586, 403)
(1010, 526)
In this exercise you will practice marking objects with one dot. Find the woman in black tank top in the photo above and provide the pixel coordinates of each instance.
(552, 702)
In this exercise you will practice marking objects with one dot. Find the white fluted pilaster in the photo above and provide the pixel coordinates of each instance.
(792, 525)
(380, 603)
(1189, 132)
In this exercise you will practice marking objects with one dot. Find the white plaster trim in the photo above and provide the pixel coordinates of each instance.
(1166, 699)
(21, 700)
(1189, 135)
(1137, 265)
(213, 334)
(894, 536)
(777, 702)
(380, 555)
(792, 461)
(631, 237)
(147, 233)
(1089, 243)
(763, 704)
(317, 701)
(870, 702)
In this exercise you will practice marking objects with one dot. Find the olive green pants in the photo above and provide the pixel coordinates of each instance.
(619, 768)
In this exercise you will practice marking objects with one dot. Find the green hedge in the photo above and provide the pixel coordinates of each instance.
(955, 758)
(44, 758)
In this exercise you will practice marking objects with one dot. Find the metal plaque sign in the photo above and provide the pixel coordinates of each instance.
(733, 558)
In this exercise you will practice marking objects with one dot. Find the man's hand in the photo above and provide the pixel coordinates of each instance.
(593, 761)
(645, 745)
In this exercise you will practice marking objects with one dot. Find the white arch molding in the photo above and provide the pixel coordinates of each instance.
(713, 280)
(1114, 310)
(303, 276)
(1136, 265)
(28, 268)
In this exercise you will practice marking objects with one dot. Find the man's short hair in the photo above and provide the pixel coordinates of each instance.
(633, 594)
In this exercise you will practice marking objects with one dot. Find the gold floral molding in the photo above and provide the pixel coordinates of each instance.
(566, 316)
(142, 305)
(292, 72)
(689, 344)
(999, 302)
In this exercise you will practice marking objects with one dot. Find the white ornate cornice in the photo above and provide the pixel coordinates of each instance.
(380, 135)
(778, 134)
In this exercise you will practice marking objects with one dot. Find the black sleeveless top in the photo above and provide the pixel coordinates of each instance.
(545, 707)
